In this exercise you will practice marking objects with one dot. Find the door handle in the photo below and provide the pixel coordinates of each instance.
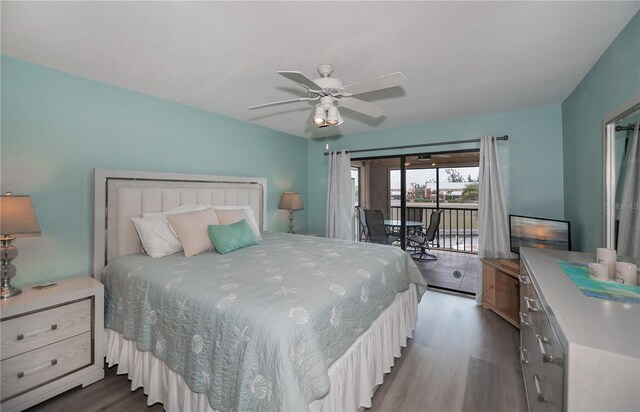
(546, 358)
(523, 360)
(528, 301)
(37, 332)
(540, 396)
(22, 374)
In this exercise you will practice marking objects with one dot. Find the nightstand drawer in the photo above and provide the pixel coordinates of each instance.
(30, 370)
(24, 333)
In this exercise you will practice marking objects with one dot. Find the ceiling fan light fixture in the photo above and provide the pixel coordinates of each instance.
(320, 118)
(331, 93)
(332, 116)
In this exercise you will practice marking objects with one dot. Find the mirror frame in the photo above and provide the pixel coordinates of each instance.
(609, 176)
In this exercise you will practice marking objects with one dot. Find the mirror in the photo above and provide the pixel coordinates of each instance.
(622, 179)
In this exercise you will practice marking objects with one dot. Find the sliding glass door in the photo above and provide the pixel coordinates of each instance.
(408, 189)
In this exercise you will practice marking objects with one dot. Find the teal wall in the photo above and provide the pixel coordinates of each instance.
(56, 128)
(531, 160)
(611, 81)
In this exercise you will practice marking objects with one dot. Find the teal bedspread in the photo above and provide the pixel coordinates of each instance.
(256, 329)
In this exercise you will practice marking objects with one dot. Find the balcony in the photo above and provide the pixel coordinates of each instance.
(458, 229)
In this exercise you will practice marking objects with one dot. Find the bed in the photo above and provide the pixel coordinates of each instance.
(293, 323)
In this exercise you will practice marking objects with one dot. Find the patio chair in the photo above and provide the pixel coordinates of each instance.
(421, 241)
(364, 232)
(416, 215)
(377, 232)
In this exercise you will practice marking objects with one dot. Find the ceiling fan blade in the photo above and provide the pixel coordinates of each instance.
(377, 83)
(363, 107)
(301, 99)
(301, 79)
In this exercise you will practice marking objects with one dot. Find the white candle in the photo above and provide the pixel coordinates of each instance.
(627, 273)
(599, 271)
(607, 257)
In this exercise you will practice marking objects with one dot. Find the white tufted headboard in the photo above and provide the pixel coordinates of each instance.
(120, 195)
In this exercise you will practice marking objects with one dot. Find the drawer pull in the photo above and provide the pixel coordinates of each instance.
(523, 360)
(22, 374)
(540, 396)
(528, 301)
(546, 358)
(523, 279)
(522, 319)
(37, 332)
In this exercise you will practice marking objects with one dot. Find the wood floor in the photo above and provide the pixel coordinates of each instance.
(462, 358)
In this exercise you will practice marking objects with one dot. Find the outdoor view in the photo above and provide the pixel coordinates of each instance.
(458, 186)
(454, 189)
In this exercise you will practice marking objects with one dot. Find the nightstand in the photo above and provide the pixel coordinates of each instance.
(51, 341)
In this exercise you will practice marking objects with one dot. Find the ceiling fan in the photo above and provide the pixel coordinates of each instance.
(331, 94)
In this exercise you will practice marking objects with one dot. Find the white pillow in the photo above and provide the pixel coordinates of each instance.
(175, 210)
(156, 235)
(192, 230)
(232, 214)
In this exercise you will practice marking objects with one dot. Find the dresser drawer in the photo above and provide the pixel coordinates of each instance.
(32, 369)
(25, 333)
(549, 349)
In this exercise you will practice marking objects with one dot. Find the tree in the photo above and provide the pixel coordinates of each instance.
(470, 179)
(470, 193)
(448, 195)
(418, 191)
(453, 175)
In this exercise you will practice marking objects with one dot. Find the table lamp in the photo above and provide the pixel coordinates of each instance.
(17, 219)
(291, 201)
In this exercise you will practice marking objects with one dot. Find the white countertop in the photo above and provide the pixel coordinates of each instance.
(590, 322)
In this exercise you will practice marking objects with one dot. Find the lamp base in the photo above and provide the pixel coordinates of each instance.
(291, 222)
(7, 291)
(8, 252)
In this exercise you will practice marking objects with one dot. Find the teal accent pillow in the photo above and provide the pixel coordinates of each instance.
(227, 238)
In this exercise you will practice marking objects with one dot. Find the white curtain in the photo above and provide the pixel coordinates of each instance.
(629, 199)
(493, 233)
(339, 197)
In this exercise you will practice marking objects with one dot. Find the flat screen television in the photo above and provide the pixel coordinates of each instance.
(527, 231)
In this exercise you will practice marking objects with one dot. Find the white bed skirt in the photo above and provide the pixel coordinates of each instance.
(354, 376)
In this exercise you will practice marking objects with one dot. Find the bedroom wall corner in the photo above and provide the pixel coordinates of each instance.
(531, 159)
(613, 79)
(56, 128)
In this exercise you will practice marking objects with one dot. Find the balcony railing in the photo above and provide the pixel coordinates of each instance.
(458, 229)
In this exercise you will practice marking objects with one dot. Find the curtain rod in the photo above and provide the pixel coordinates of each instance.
(376, 149)
(629, 127)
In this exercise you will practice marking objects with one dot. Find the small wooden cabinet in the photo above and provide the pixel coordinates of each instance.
(50, 341)
(501, 288)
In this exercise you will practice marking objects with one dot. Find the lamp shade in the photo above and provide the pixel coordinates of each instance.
(17, 217)
(291, 201)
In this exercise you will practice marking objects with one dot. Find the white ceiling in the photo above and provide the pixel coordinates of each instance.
(461, 58)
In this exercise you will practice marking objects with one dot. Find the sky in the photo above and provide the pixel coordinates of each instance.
(421, 176)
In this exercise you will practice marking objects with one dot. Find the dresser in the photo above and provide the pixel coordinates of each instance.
(51, 341)
(577, 353)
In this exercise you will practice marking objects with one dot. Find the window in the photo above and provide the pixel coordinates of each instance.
(458, 186)
(355, 184)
